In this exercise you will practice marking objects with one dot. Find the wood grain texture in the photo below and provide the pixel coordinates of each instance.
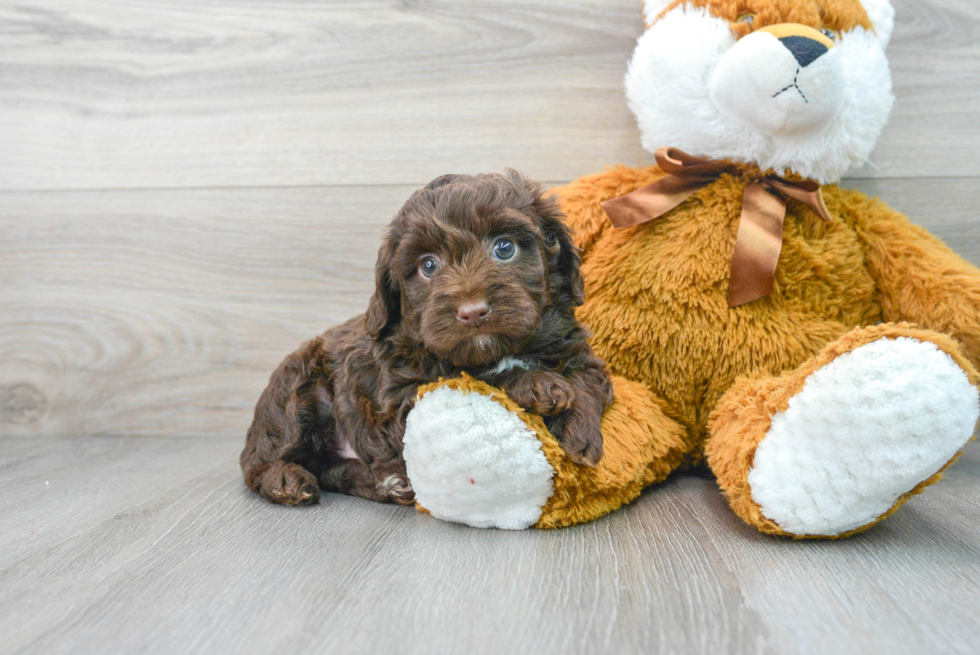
(54, 489)
(176, 93)
(204, 565)
(164, 312)
(190, 189)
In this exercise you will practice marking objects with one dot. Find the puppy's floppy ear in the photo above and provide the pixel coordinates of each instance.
(568, 264)
(384, 309)
(560, 253)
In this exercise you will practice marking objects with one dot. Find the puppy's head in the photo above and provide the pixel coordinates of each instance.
(474, 266)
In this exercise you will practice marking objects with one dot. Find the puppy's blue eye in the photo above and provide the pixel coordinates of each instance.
(504, 249)
(428, 266)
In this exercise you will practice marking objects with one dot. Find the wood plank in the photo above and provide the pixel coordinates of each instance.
(53, 489)
(862, 594)
(164, 312)
(165, 93)
(207, 566)
(303, 93)
(934, 56)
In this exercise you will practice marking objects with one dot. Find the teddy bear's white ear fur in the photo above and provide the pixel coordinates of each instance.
(882, 16)
(652, 8)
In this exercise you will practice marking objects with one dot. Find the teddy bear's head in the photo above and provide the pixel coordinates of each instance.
(794, 85)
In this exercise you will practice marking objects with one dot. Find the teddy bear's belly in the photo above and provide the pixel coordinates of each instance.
(656, 301)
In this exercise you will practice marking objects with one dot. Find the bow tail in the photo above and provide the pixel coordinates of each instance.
(757, 246)
(760, 226)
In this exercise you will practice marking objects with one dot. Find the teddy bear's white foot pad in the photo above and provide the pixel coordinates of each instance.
(864, 430)
(472, 461)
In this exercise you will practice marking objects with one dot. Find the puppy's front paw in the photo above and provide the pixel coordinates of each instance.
(542, 392)
(290, 484)
(396, 489)
(580, 437)
(587, 451)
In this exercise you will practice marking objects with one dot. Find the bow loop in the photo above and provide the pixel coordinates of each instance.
(760, 227)
(807, 192)
(677, 162)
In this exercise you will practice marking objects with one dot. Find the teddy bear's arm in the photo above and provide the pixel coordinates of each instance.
(919, 278)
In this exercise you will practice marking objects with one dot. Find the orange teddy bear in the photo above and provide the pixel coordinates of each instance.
(810, 345)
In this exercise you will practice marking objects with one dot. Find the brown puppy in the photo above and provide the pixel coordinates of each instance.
(475, 274)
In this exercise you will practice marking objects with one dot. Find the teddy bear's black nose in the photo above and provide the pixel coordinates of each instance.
(804, 49)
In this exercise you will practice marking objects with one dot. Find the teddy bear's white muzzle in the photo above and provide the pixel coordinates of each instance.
(782, 87)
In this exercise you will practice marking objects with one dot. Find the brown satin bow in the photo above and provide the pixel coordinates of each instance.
(760, 228)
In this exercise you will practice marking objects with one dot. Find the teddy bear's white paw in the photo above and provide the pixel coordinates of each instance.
(864, 430)
(472, 461)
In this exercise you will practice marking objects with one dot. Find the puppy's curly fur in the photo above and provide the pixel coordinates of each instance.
(333, 415)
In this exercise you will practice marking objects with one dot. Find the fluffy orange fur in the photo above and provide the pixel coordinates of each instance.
(840, 15)
(657, 301)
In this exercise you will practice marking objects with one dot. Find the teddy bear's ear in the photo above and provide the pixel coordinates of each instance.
(882, 16)
(652, 9)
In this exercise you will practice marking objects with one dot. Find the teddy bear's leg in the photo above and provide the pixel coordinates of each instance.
(475, 457)
(838, 444)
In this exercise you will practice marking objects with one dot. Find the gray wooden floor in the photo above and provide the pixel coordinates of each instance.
(188, 189)
(153, 544)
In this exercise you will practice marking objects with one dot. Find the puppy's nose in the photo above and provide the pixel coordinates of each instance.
(473, 313)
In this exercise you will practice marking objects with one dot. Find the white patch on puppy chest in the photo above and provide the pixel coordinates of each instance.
(863, 431)
(509, 364)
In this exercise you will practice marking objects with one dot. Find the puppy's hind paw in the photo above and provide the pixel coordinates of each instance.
(290, 484)
(396, 489)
